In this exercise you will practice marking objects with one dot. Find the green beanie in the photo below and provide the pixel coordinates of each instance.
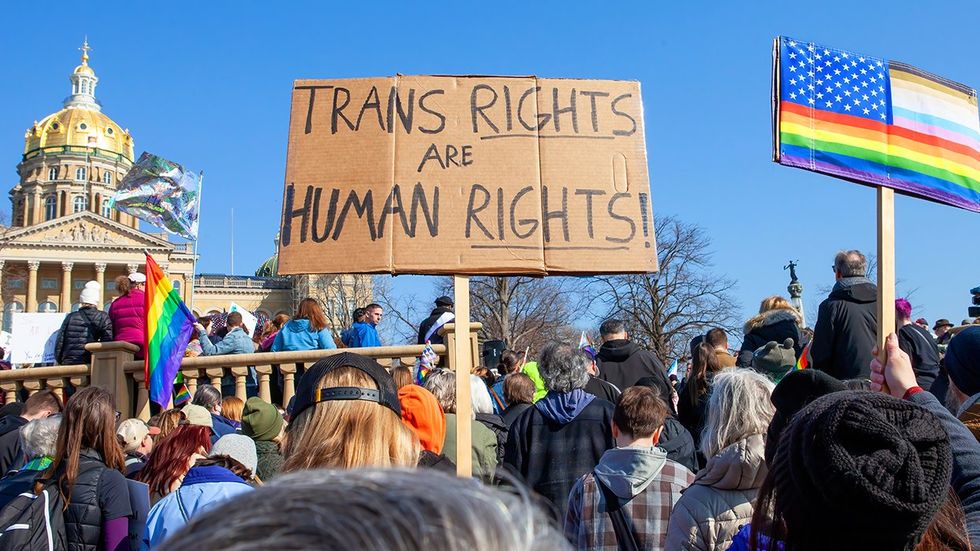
(261, 420)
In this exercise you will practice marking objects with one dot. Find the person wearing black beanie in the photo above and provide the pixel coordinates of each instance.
(794, 391)
(962, 364)
(857, 470)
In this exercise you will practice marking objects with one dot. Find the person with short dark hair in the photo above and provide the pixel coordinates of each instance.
(209, 398)
(365, 333)
(718, 340)
(440, 316)
(39, 405)
(847, 321)
(236, 341)
(622, 362)
(358, 315)
(634, 479)
(563, 436)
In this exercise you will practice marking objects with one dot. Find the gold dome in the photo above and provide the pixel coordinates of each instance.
(83, 69)
(81, 128)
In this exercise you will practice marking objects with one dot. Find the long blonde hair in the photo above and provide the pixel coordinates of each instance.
(775, 302)
(346, 434)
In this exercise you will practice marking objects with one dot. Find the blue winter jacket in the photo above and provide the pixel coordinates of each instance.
(235, 342)
(297, 335)
(203, 488)
(363, 334)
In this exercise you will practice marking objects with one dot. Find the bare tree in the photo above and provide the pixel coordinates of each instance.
(339, 295)
(526, 311)
(403, 312)
(664, 310)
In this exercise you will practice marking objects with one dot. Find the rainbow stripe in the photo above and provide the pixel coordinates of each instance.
(877, 122)
(168, 330)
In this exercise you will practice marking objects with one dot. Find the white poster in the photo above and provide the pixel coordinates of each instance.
(248, 320)
(34, 337)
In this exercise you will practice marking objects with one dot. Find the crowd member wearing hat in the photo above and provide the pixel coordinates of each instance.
(222, 477)
(422, 414)
(539, 443)
(921, 322)
(775, 360)
(918, 344)
(262, 423)
(174, 455)
(346, 415)
(962, 363)
(127, 312)
(405, 509)
(941, 329)
(965, 450)
(39, 440)
(722, 496)
(442, 384)
(88, 324)
(777, 321)
(136, 439)
(40, 405)
(440, 316)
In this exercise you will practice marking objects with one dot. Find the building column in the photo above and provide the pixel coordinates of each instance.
(25, 209)
(132, 268)
(32, 267)
(1, 285)
(36, 210)
(66, 268)
(100, 277)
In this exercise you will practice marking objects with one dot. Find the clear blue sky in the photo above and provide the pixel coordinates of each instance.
(208, 85)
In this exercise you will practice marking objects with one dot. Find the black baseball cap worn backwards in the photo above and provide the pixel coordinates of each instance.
(309, 393)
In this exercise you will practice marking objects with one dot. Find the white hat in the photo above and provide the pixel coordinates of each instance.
(137, 277)
(90, 294)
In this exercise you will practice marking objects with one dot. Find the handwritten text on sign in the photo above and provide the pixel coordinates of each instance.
(466, 175)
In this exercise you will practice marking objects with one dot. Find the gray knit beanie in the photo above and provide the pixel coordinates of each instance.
(238, 447)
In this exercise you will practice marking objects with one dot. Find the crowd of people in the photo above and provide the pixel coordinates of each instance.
(746, 449)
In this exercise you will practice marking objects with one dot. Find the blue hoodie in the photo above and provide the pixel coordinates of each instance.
(562, 407)
(203, 488)
(297, 335)
(363, 335)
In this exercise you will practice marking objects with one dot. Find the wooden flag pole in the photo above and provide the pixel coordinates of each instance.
(886, 266)
(463, 363)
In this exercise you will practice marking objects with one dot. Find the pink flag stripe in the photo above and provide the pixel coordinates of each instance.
(937, 131)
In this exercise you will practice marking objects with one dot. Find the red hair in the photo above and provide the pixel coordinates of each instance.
(170, 458)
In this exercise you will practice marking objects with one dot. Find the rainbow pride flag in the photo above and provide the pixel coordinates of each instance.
(804, 362)
(168, 330)
(876, 122)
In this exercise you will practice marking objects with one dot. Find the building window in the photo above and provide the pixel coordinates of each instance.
(50, 207)
(15, 283)
(78, 284)
(76, 307)
(106, 177)
(9, 310)
(81, 173)
(106, 208)
(176, 284)
(83, 126)
(79, 203)
(47, 308)
(109, 131)
(49, 283)
(53, 173)
(110, 286)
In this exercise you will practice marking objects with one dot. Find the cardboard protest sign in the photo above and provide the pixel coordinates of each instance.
(466, 175)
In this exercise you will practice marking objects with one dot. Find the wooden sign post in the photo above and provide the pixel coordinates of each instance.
(463, 363)
(886, 266)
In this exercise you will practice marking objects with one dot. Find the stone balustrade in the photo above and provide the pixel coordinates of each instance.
(114, 368)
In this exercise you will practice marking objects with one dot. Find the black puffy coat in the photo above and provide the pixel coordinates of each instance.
(678, 443)
(774, 325)
(80, 328)
(846, 330)
(427, 324)
(624, 363)
(83, 518)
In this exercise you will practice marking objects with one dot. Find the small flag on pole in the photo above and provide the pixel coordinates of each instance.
(672, 370)
(586, 345)
(169, 324)
(162, 193)
(803, 362)
(426, 362)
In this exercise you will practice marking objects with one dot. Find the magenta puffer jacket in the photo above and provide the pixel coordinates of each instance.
(129, 318)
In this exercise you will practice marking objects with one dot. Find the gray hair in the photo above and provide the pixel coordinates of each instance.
(39, 437)
(480, 396)
(851, 264)
(442, 384)
(739, 407)
(563, 367)
(207, 397)
(612, 327)
(398, 509)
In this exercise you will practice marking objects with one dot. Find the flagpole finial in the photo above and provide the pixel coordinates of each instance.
(85, 49)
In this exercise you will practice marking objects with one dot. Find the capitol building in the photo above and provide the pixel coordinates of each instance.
(62, 231)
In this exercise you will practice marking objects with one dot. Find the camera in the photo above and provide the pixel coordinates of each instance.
(975, 309)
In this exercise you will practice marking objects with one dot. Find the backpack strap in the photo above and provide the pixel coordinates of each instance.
(496, 398)
(621, 525)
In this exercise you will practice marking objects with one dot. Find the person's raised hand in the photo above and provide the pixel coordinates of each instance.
(199, 327)
(895, 376)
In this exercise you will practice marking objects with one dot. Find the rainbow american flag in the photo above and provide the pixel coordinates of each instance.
(168, 330)
(877, 122)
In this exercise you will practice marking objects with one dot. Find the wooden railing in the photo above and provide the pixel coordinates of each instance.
(114, 368)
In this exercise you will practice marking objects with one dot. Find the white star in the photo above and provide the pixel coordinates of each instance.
(864, 71)
(810, 47)
(847, 79)
(866, 112)
(873, 79)
(817, 55)
(838, 98)
(854, 63)
(830, 89)
(792, 68)
(874, 92)
(837, 84)
(836, 71)
(861, 59)
(819, 95)
(880, 75)
(847, 92)
(865, 96)
(882, 115)
(881, 88)
(826, 52)
(847, 107)
(819, 82)
(802, 93)
(856, 89)
(819, 68)
(792, 95)
(792, 55)
(810, 73)
(864, 83)
(810, 101)
(837, 58)
(882, 102)
(857, 102)
(830, 104)
(874, 106)
(792, 81)
(844, 55)
(827, 63)
(802, 64)
(878, 63)
(809, 86)
(791, 43)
